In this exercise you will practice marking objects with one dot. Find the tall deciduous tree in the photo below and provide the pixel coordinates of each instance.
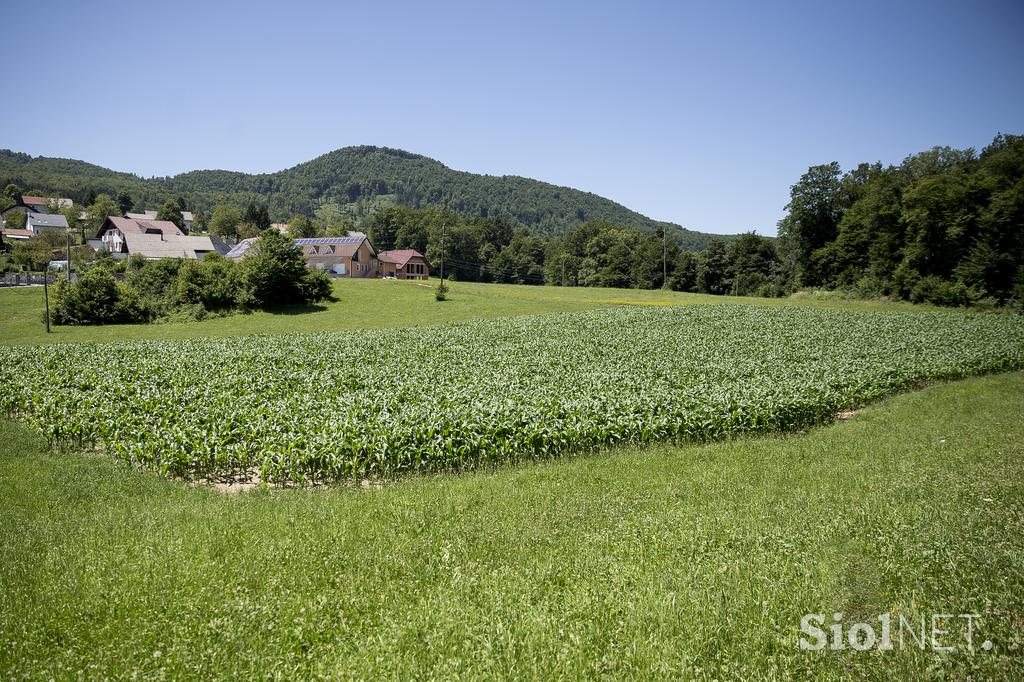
(815, 209)
(100, 209)
(171, 210)
(224, 221)
(71, 215)
(301, 227)
(944, 226)
(715, 273)
(753, 263)
(684, 272)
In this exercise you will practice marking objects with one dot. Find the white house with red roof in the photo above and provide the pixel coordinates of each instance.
(154, 239)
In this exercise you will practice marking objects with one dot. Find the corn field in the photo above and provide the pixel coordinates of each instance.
(378, 403)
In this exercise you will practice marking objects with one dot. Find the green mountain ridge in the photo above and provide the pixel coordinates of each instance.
(357, 178)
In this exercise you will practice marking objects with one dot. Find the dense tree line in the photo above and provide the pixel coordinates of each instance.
(345, 187)
(172, 288)
(479, 249)
(594, 254)
(945, 226)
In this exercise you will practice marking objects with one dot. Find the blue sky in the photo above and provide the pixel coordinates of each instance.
(699, 113)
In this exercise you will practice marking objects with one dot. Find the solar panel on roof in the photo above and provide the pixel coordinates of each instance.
(308, 241)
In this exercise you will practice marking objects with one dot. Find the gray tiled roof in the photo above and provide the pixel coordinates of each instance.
(187, 216)
(47, 220)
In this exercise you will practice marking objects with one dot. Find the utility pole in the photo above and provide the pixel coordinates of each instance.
(443, 226)
(46, 297)
(67, 252)
(664, 258)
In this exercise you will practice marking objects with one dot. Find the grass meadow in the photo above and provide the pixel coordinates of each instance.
(640, 563)
(635, 562)
(371, 304)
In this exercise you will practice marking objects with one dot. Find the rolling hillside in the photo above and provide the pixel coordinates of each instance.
(356, 179)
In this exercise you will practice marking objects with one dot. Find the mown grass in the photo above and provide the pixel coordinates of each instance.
(365, 304)
(647, 563)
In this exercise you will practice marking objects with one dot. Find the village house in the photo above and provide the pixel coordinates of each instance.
(42, 204)
(349, 256)
(16, 235)
(187, 217)
(346, 256)
(29, 205)
(403, 264)
(154, 239)
(37, 223)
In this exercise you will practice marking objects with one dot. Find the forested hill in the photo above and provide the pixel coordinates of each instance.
(349, 184)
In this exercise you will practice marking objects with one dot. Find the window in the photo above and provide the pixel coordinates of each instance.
(328, 250)
(312, 251)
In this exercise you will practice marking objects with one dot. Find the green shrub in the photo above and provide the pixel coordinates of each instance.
(870, 286)
(94, 298)
(904, 279)
(441, 291)
(128, 307)
(938, 291)
(276, 274)
(105, 260)
(750, 284)
(214, 283)
(154, 281)
(316, 286)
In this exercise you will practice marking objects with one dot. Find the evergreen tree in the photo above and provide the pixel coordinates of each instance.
(124, 202)
(256, 216)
